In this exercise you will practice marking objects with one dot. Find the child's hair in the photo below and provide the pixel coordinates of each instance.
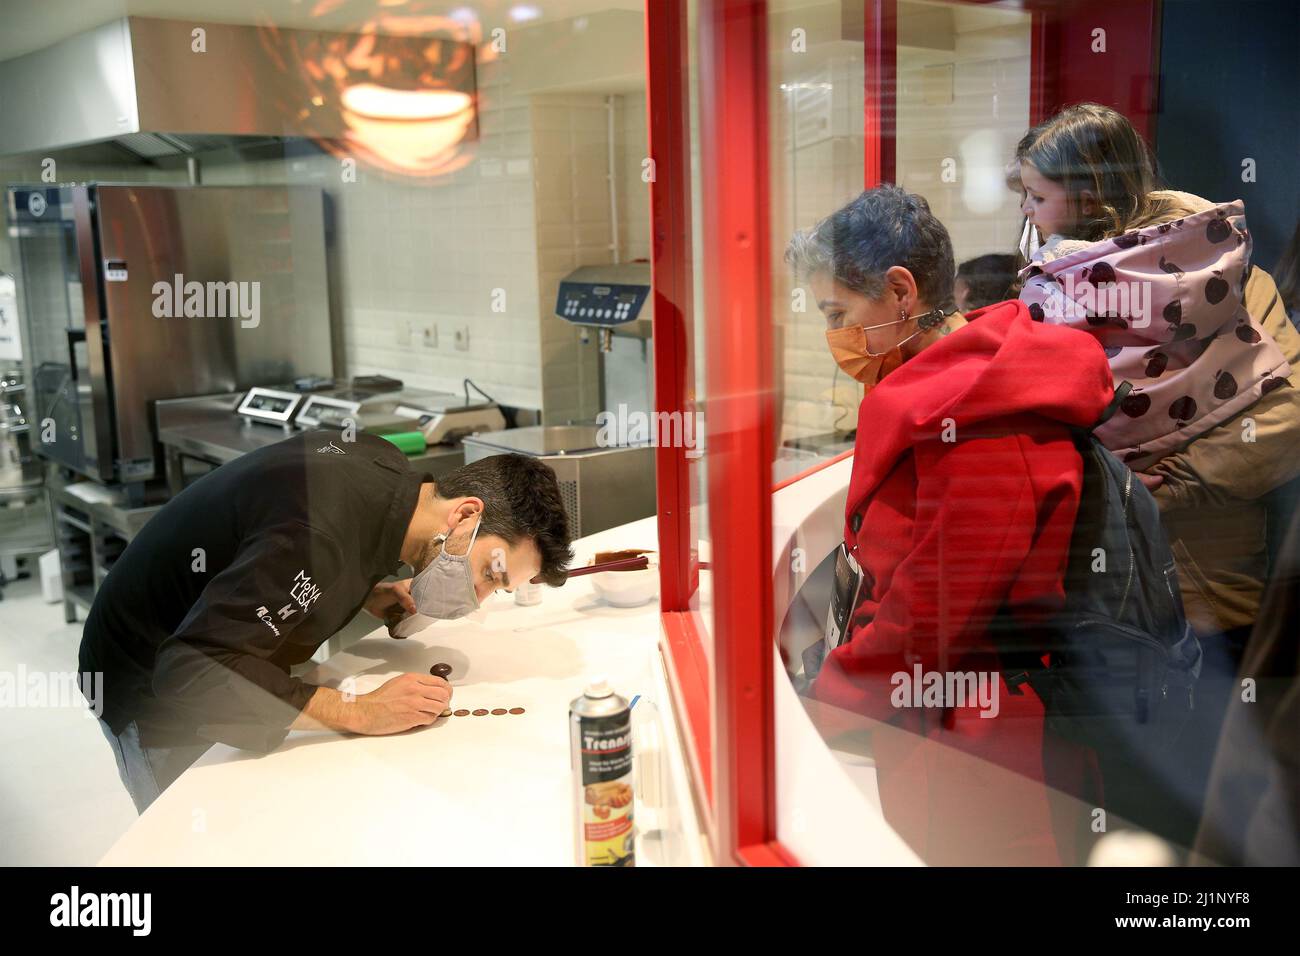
(1096, 148)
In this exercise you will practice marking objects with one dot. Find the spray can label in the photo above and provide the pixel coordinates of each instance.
(604, 757)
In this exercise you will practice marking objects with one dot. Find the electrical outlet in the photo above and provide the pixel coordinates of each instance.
(431, 336)
(462, 339)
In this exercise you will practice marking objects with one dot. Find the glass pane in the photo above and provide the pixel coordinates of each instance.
(962, 105)
(487, 220)
(51, 289)
(1007, 639)
(816, 131)
(972, 779)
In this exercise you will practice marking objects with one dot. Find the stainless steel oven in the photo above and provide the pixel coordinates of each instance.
(132, 294)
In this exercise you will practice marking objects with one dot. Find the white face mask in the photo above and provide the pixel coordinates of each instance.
(445, 589)
(1029, 240)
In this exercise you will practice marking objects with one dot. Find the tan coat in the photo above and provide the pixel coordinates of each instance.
(1212, 495)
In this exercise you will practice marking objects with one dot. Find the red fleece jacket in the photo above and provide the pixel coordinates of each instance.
(962, 500)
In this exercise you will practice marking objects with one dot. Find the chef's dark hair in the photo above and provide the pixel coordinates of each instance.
(521, 499)
(884, 227)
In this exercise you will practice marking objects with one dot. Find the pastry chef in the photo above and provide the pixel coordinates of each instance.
(250, 569)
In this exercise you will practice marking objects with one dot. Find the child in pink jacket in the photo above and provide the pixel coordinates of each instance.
(1163, 282)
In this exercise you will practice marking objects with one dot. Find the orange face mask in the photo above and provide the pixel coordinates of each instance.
(849, 348)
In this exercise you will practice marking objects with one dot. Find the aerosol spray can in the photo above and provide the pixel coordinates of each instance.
(600, 734)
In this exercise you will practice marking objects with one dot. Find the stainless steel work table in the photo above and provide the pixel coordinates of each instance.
(208, 430)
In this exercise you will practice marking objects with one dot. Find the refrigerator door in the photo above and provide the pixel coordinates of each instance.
(207, 289)
(69, 422)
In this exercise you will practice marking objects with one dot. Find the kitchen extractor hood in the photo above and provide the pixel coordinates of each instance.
(157, 88)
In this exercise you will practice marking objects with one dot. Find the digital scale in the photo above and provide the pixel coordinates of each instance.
(449, 418)
(319, 409)
(378, 406)
(310, 402)
(270, 405)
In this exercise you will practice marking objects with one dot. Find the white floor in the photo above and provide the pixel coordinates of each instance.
(61, 802)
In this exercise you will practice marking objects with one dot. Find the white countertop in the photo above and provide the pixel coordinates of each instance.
(489, 790)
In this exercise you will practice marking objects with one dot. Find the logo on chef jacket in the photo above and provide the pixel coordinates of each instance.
(330, 449)
(304, 594)
(265, 617)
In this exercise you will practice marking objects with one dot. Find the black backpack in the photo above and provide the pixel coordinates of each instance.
(1124, 662)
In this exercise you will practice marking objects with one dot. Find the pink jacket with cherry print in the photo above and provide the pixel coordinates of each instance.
(1165, 302)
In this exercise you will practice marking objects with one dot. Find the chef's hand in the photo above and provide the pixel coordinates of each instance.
(391, 601)
(406, 701)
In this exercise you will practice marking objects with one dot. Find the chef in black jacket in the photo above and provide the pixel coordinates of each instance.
(250, 569)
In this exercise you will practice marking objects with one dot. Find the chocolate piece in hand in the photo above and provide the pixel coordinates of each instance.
(441, 670)
(392, 618)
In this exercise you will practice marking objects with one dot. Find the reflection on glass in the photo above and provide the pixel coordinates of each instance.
(816, 83)
(399, 79)
(998, 637)
(1026, 650)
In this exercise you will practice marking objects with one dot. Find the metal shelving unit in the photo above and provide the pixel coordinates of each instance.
(92, 529)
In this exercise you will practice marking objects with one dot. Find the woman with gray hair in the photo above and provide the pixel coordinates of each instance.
(962, 501)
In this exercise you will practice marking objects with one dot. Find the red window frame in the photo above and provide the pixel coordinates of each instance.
(728, 713)
(668, 121)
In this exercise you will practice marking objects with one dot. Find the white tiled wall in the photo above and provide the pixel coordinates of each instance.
(574, 227)
(629, 367)
(571, 140)
(817, 151)
(979, 130)
(416, 261)
(633, 192)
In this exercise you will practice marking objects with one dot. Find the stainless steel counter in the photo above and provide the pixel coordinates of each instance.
(208, 430)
